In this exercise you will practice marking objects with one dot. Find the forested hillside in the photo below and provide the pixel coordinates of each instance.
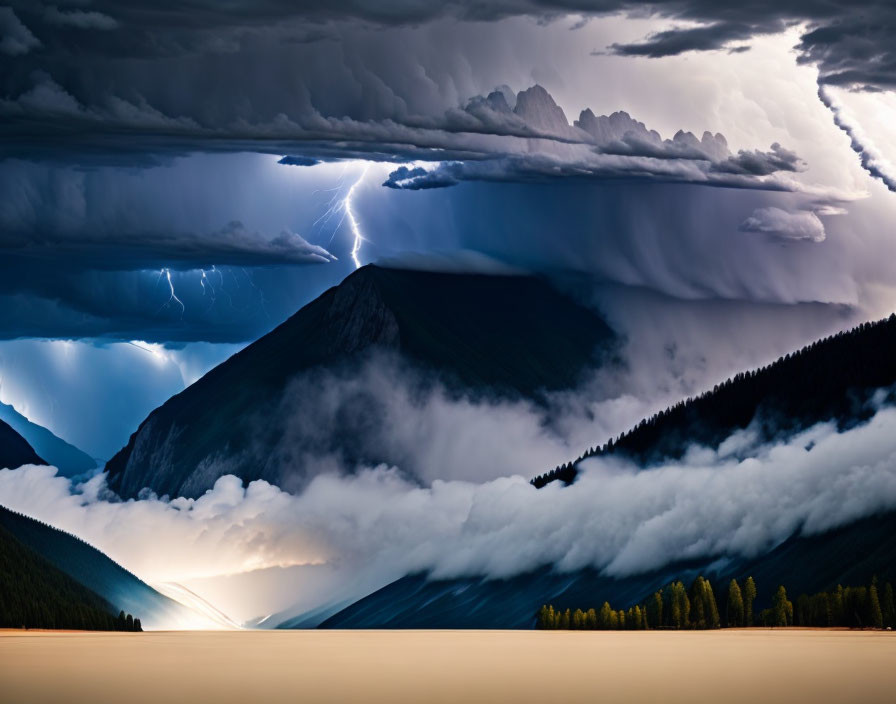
(35, 594)
(831, 379)
(92, 569)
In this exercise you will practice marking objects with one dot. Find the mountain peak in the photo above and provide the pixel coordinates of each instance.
(462, 330)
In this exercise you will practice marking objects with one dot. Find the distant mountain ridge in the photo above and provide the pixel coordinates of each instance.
(68, 459)
(513, 336)
(15, 450)
(831, 379)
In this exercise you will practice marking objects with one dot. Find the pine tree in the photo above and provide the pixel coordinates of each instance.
(712, 609)
(838, 607)
(735, 605)
(698, 603)
(877, 617)
(749, 596)
(656, 609)
(889, 606)
(782, 609)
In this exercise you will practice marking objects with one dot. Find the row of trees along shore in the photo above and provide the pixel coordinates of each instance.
(675, 607)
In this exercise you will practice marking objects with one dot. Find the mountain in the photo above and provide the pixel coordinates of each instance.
(92, 570)
(35, 594)
(512, 336)
(849, 555)
(841, 378)
(68, 459)
(831, 379)
(15, 450)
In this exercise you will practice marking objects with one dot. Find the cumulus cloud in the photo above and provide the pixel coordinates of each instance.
(595, 147)
(616, 518)
(485, 140)
(802, 225)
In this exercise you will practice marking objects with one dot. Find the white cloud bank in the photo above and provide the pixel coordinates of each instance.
(376, 526)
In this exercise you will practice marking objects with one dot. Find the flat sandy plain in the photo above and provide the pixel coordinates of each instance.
(755, 666)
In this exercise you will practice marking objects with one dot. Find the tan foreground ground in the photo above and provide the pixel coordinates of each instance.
(755, 666)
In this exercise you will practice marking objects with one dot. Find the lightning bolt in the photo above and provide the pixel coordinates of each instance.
(352, 220)
(172, 296)
(342, 207)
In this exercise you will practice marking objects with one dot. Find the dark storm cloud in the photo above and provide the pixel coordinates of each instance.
(849, 40)
(217, 304)
(142, 77)
(672, 42)
(15, 37)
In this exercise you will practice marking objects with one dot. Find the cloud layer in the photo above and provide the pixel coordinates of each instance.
(615, 518)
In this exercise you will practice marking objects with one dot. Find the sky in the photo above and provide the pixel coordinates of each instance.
(173, 176)
(176, 179)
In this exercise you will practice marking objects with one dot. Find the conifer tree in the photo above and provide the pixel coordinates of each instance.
(876, 615)
(782, 609)
(888, 606)
(838, 607)
(735, 606)
(655, 608)
(749, 596)
(591, 620)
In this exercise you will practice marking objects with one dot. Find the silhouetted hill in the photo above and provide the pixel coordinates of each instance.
(92, 569)
(852, 554)
(15, 450)
(68, 459)
(514, 336)
(832, 379)
(35, 594)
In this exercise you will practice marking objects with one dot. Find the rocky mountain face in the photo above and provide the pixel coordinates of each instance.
(506, 336)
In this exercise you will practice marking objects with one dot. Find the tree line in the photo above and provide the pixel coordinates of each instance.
(784, 396)
(675, 607)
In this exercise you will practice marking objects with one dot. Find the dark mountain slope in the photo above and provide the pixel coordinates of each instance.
(92, 569)
(832, 379)
(35, 594)
(508, 335)
(15, 450)
(848, 555)
(68, 459)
